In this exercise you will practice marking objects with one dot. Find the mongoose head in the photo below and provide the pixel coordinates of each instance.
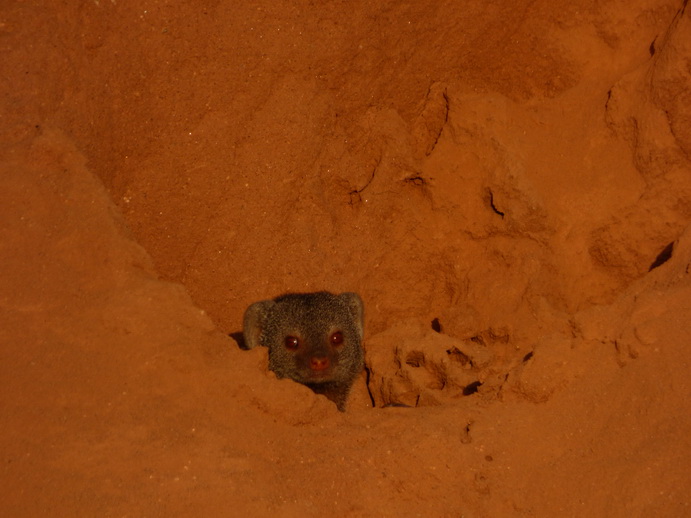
(313, 338)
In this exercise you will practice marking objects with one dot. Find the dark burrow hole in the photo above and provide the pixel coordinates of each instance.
(662, 257)
(239, 338)
(472, 388)
(436, 325)
(528, 356)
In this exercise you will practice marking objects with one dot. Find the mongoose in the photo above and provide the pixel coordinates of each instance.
(313, 338)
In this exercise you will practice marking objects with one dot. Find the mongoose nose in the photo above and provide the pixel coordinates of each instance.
(319, 364)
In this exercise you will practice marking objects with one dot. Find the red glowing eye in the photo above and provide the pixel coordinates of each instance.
(292, 343)
(336, 338)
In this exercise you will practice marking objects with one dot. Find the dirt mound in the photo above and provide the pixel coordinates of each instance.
(507, 187)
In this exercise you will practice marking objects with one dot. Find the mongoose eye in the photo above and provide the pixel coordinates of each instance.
(292, 343)
(336, 338)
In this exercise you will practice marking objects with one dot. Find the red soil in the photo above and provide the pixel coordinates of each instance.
(507, 186)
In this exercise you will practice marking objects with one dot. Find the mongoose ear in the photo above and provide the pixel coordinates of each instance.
(254, 321)
(357, 310)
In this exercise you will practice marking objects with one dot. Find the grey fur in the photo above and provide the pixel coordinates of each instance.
(312, 318)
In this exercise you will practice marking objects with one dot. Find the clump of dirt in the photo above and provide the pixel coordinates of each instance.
(507, 187)
(411, 366)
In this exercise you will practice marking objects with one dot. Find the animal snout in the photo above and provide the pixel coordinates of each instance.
(319, 363)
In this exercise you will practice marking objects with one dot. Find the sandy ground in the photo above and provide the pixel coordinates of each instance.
(507, 185)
